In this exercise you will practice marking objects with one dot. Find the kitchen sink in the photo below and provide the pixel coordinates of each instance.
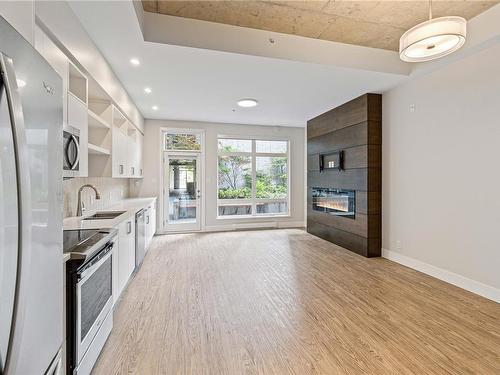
(104, 215)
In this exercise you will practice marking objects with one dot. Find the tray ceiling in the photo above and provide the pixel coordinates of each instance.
(377, 24)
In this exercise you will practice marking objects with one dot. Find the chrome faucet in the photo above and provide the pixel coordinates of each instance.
(81, 207)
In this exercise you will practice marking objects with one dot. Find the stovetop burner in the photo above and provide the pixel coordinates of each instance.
(72, 238)
(82, 243)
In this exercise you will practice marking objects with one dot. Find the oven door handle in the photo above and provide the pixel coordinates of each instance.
(90, 271)
(77, 157)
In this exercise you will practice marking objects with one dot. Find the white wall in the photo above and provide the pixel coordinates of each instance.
(441, 179)
(110, 189)
(21, 15)
(149, 186)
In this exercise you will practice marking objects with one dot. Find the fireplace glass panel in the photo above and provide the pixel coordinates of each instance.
(337, 202)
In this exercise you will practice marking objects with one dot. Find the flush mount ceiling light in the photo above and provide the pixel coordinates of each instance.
(155, 108)
(247, 103)
(432, 39)
(20, 83)
(135, 62)
(147, 90)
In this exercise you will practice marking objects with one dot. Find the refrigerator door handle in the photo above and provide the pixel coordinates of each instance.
(24, 216)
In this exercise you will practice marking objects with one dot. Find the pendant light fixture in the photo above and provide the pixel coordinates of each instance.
(432, 39)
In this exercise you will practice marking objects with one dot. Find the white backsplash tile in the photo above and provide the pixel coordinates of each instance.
(110, 189)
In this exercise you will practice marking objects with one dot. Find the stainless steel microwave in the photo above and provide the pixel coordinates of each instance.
(71, 152)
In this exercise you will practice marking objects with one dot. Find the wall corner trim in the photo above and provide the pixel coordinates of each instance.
(460, 281)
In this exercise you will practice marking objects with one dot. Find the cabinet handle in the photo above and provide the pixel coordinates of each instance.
(132, 169)
(141, 171)
(129, 227)
(147, 219)
(121, 168)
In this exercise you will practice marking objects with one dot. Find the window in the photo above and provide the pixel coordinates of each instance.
(252, 177)
(177, 141)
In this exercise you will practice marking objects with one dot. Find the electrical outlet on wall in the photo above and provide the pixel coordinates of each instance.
(398, 245)
(412, 108)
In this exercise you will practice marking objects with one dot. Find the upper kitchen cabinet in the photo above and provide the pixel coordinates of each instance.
(119, 144)
(139, 151)
(133, 151)
(77, 112)
(115, 144)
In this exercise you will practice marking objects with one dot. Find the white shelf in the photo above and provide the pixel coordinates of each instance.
(96, 150)
(96, 121)
(77, 84)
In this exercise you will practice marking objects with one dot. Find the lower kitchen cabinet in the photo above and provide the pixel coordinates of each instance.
(150, 224)
(123, 257)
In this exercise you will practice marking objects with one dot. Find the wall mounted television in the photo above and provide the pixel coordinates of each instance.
(333, 161)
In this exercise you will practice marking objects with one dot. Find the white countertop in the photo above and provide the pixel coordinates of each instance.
(130, 206)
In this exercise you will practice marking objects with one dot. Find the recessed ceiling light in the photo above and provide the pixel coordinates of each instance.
(155, 108)
(147, 90)
(20, 83)
(247, 103)
(135, 62)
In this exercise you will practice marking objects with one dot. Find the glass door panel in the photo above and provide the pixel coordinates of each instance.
(182, 193)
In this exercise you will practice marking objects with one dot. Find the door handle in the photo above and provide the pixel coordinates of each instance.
(129, 227)
(24, 217)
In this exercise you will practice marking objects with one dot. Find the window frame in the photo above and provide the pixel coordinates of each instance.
(253, 200)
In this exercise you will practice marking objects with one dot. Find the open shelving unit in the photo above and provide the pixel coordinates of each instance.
(96, 121)
(96, 150)
(78, 84)
(100, 117)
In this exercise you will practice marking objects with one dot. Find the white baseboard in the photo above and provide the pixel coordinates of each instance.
(259, 225)
(444, 275)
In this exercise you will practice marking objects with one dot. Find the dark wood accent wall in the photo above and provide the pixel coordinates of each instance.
(356, 128)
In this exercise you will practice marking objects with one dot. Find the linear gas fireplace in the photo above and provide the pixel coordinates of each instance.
(337, 202)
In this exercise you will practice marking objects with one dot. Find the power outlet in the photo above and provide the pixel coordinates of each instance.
(398, 245)
(412, 108)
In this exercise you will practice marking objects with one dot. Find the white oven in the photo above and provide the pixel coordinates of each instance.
(90, 313)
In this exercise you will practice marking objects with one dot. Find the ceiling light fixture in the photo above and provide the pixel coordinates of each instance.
(147, 90)
(432, 39)
(20, 83)
(155, 108)
(135, 62)
(247, 103)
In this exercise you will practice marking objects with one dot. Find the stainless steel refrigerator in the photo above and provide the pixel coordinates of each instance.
(31, 204)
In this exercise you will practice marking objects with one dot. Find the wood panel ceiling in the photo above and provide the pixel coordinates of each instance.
(377, 24)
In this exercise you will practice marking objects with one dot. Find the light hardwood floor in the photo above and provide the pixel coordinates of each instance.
(286, 302)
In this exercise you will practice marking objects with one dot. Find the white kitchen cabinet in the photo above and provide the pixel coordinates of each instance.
(119, 144)
(132, 161)
(126, 254)
(139, 150)
(150, 224)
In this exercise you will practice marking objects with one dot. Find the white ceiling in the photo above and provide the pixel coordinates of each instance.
(204, 85)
